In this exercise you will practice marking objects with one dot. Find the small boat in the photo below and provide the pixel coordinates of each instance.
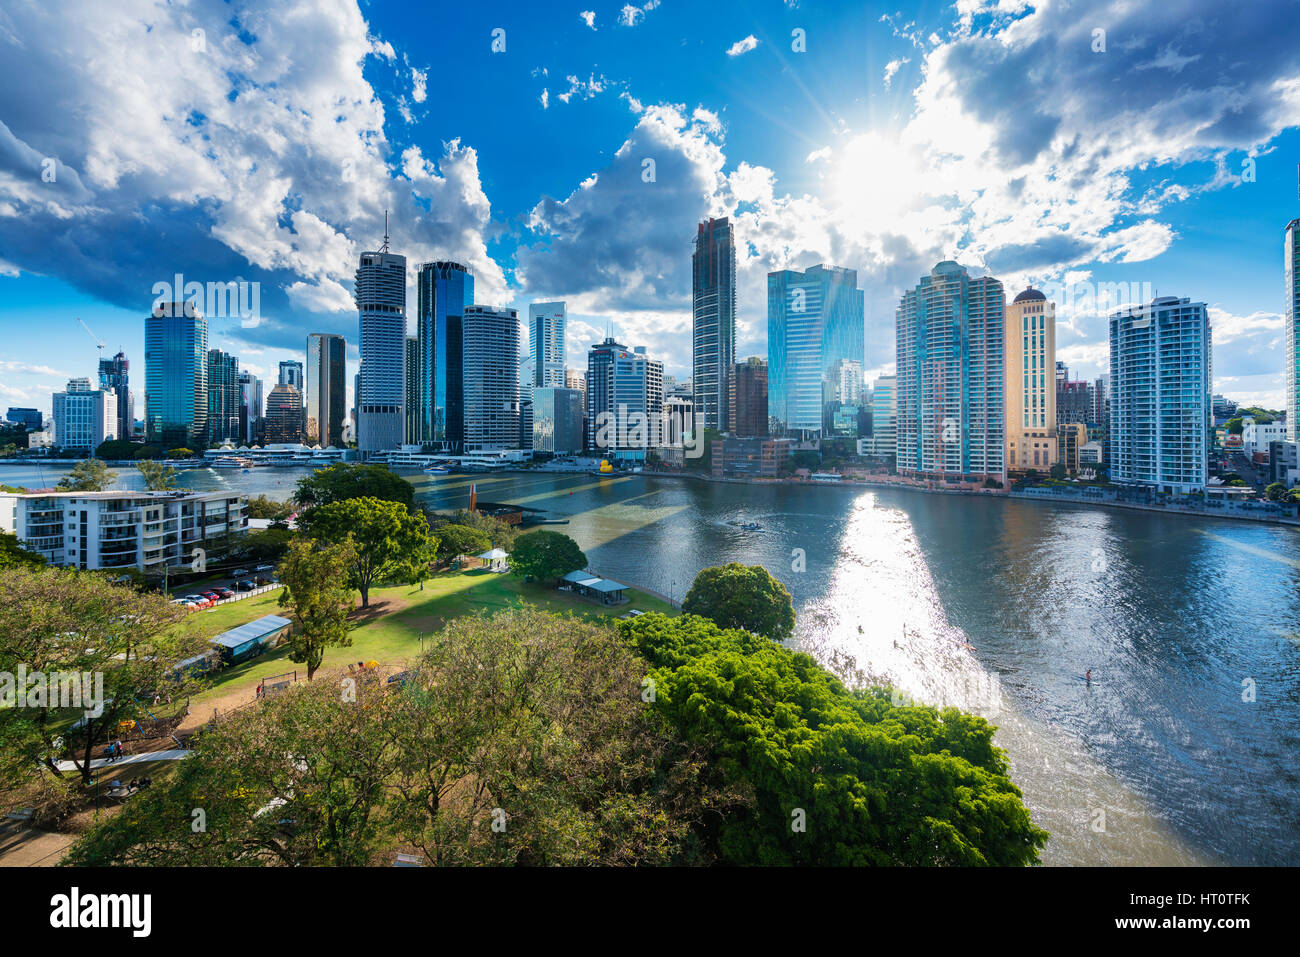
(436, 470)
(747, 526)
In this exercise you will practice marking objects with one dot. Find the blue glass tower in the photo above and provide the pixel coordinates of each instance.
(176, 376)
(443, 290)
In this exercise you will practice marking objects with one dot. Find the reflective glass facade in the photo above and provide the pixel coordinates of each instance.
(176, 376)
(443, 291)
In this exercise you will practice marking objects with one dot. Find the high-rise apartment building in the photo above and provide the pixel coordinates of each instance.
(325, 391)
(443, 291)
(1291, 327)
(1161, 368)
(546, 321)
(114, 377)
(381, 305)
(951, 377)
(747, 398)
(250, 408)
(713, 320)
(223, 397)
(491, 376)
(814, 319)
(1031, 386)
(176, 376)
(84, 416)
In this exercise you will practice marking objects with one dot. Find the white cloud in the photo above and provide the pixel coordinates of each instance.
(891, 68)
(631, 14)
(742, 46)
(419, 81)
(589, 18)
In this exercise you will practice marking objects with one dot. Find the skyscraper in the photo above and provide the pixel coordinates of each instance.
(951, 379)
(622, 382)
(1031, 382)
(1161, 367)
(747, 398)
(1291, 346)
(284, 415)
(176, 376)
(413, 426)
(557, 420)
(250, 408)
(381, 305)
(491, 357)
(223, 397)
(325, 390)
(113, 377)
(713, 320)
(291, 374)
(546, 321)
(814, 319)
(884, 416)
(443, 291)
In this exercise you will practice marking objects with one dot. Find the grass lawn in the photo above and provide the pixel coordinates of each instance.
(401, 615)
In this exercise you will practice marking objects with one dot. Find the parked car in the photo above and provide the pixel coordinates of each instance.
(210, 595)
(264, 568)
(245, 585)
(263, 580)
(239, 573)
(225, 593)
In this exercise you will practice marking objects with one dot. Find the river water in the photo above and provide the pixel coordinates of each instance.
(1183, 748)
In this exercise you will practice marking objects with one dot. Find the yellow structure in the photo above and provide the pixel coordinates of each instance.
(1030, 354)
(605, 467)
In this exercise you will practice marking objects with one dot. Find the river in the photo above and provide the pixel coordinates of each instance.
(1183, 748)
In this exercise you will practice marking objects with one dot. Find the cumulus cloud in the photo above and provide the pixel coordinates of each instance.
(589, 18)
(742, 46)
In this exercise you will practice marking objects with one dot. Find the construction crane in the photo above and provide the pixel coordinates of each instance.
(99, 343)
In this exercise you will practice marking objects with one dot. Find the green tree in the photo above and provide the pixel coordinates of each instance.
(262, 507)
(1275, 492)
(457, 540)
(88, 475)
(157, 477)
(839, 776)
(347, 480)
(315, 579)
(387, 537)
(180, 453)
(13, 553)
(546, 556)
(501, 534)
(66, 621)
(742, 596)
(117, 449)
(1058, 471)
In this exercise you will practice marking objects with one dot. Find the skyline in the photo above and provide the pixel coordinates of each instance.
(884, 168)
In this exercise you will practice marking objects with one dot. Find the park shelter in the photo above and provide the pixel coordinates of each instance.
(250, 640)
(598, 589)
(496, 559)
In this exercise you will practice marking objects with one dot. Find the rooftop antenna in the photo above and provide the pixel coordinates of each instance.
(384, 248)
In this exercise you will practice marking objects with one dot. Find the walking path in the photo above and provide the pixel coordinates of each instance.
(176, 754)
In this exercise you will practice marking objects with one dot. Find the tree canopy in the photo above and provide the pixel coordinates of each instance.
(742, 596)
(157, 476)
(12, 552)
(839, 776)
(457, 540)
(88, 475)
(349, 480)
(546, 555)
(388, 538)
(315, 578)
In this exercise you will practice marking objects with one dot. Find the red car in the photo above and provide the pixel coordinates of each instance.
(225, 593)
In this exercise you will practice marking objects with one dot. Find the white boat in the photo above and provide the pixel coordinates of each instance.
(436, 470)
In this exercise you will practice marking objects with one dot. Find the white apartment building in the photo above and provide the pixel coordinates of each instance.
(127, 529)
(84, 416)
(1255, 436)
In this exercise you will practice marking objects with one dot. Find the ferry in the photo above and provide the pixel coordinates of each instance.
(436, 470)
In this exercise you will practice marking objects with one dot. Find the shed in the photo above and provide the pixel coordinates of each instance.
(250, 640)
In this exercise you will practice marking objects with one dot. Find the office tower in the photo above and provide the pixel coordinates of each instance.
(381, 306)
(575, 379)
(250, 408)
(443, 291)
(678, 419)
(412, 429)
(884, 416)
(491, 377)
(291, 373)
(951, 380)
(1071, 437)
(1291, 326)
(622, 382)
(1031, 386)
(113, 377)
(325, 390)
(283, 421)
(546, 323)
(814, 318)
(176, 376)
(557, 420)
(223, 397)
(1160, 375)
(527, 375)
(84, 416)
(747, 398)
(713, 320)
(27, 418)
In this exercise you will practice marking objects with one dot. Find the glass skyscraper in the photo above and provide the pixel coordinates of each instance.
(223, 397)
(951, 382)
(113, 377)
(1160, 373)
(491, 364)
(815, 319)
(381, 306)
(443, 291)
(546, 322)
(713, 321)
(176, 376)
(1291, 267)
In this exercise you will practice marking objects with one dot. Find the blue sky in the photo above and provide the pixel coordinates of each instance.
(1011, 136)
